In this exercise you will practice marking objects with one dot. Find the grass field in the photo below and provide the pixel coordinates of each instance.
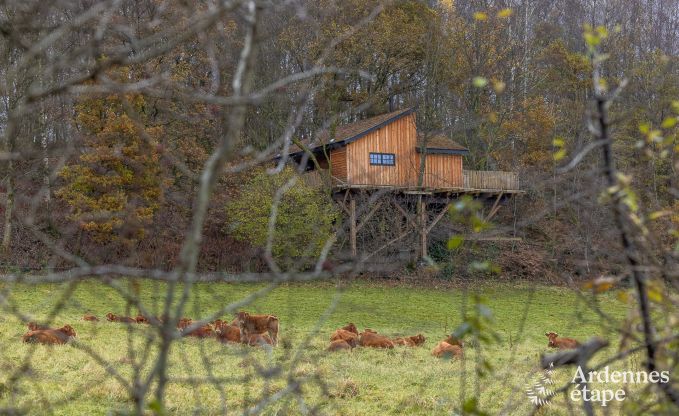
(401, 381)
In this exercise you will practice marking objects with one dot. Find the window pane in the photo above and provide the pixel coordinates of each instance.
(384, 159)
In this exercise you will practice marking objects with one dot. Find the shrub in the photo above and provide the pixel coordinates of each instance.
(304, 221)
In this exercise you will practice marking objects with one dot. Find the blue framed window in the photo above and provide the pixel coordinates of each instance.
(383, 159)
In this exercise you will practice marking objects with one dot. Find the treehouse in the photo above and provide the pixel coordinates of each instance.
(385, 153)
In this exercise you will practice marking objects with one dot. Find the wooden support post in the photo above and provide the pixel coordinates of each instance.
(352, 225)
(369, 215)
(407, 216)
(439, 217)
(494, 209)
(422, 208)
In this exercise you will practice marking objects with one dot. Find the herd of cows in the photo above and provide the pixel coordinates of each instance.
(348, 337)
(260, 330)
(253, 330)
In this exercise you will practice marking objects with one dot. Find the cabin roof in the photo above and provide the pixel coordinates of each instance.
(348, 133)
(440, 144)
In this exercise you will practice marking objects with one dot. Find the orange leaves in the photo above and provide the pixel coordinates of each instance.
(534, 126)
(116, 182)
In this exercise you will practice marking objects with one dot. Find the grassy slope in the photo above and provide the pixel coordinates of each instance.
(362, 382)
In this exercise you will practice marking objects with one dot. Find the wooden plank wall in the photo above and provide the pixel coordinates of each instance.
(338, 161)
(443, 171)
(480, 179)
(399, 138)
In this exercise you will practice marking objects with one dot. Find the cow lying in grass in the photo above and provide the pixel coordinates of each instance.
(227, 333)
(204, 331)
(343, 335)
(342, 345)
(111, 317)
(562, 343)
(33, 326)
(183, 323)
(351, 328)
(413, 341)
(344, 338)
(370, 338)
(453, 340)
(257, 324)
(445, 350)
(50, 336)
(89, 317)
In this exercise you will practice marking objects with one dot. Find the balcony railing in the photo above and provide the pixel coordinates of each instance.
(491, 179)
(473, 180)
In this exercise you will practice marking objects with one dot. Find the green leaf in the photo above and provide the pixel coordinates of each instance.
(156, 407)
(559, 154)
(658, 214)
(654, 295)
(504, 13)
(591, 39)
(479, 82)
(675, 106)
(480, 16)
(602, 32)
(455, 242)
(669, 122)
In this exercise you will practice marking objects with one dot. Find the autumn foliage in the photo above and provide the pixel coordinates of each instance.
(114, 187)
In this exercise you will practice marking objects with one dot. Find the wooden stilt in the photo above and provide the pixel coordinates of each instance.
(422, 208)
(494, 209)
(438, 217)
(369, 215)
(352, 225)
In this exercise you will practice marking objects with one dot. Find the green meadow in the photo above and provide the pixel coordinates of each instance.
(207, 377)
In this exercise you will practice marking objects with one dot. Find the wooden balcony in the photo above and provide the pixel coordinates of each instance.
(491, 180)
(475, 181)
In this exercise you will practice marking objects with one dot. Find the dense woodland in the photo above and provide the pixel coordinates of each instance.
(104, 140)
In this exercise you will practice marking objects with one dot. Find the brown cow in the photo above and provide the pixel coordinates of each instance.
(340, 344)
(204, 331)
(33, 326)
(453, 340)
(413, 341)
(218, 324)
(343, 334)
(141, 319)
(445, 350)
(257, 324)
(90, 317)
(259, 340)
(50, 336)
(229, 333)
(561, 343)
(117, 318)
(183, 323)
(351, 328)
(373, 340)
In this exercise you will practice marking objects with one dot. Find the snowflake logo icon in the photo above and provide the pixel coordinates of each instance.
(539, 391)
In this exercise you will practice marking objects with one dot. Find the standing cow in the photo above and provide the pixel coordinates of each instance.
(257, 324)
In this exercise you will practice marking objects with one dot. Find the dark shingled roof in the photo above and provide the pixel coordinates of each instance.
(440, 144)
(349, 132)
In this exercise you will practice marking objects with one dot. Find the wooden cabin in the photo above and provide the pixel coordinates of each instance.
(385, 151)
